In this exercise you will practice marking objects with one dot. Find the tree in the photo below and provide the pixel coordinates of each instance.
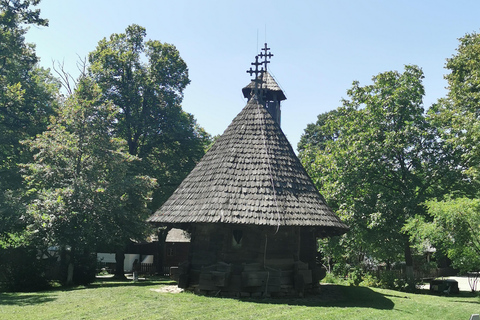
(458, 115)
(27, 99)
(453, 230)
(317, 135)
(145, 80)
(86, 196)
(453, 223)
(379, 160)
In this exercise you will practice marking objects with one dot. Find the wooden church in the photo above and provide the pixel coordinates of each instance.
(253, 213)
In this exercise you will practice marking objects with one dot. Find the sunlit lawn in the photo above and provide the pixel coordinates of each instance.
(127, 300)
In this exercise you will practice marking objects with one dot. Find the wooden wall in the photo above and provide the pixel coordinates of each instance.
(244, 260)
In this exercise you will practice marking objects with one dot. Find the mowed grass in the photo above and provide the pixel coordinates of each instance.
(128, 300)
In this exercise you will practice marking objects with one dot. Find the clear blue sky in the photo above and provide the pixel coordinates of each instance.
(320, 47)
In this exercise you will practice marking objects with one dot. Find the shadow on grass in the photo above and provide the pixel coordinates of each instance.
(115, 283)
(337, 296)
(21, 299)
(24, 299)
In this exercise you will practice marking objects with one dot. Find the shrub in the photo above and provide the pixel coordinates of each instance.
(355, 276)
(85, 268)
(370, 280)
(21, 269)
(396, 281)
(341, 269)
(332, 278)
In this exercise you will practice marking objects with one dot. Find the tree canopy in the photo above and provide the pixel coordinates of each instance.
(27, 99)
(86, 196)
(145, 80)
(453, 230)
(452, 224)
(377, 159)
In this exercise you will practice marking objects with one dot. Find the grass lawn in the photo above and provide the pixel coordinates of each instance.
(127, 300)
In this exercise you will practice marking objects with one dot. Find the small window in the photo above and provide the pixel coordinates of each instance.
(170, 252)
(237, 236)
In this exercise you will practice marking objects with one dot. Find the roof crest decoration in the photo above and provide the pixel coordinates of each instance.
(258, 91)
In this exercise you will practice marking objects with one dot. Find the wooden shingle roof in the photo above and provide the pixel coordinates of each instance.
(268, 84)
(251, 175)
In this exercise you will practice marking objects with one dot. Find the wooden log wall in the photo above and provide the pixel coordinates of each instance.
(243, 260)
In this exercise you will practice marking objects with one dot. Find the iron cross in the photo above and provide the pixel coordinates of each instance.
(266, 55)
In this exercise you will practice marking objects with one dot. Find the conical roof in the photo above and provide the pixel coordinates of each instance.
(268, 84)
(251, 175)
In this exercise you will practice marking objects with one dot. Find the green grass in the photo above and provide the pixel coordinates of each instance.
(127, 300)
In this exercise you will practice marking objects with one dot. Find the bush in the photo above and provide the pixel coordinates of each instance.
(355, 276)
(341, 269)
(370, 280)
(21, 269)
(396, 281)
(331, 278)
(85, 268)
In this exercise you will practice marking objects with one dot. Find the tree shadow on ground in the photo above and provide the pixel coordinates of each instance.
(337, 296)
(114, 283)
(24, 299)
(21, 299)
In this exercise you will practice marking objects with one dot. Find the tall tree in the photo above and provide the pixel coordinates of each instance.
(85, 194)
(458, 115)
(27, 99)
(145, 80)
(381, 159)
(453, 223)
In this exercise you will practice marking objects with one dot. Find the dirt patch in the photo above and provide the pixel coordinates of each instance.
(168, 289)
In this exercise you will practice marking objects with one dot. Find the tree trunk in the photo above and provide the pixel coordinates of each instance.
(409, 262)
(70, 266)
(70, 274)
(119, 264)
(67, 266)
(162, 236)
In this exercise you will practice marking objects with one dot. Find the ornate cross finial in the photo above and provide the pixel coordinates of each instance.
(266, 55)
(257, 91)
(256, 71)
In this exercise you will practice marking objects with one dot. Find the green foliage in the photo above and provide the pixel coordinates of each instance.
(86, 268)
(330, 277)
(368, 280)
(145, 80)
(22, 270)
(457, 116)
(391, 280)
(85, 191)
(27, 99)
(377, 159)
(452, 225)
(19, 11)
(355, 276)
(454, 230)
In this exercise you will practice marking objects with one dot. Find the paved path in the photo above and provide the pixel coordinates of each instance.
(462, 283)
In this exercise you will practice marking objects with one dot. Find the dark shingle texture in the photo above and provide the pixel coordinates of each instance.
(269, 85)
(251, 175)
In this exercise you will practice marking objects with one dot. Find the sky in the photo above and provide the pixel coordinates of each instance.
(320, 47)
